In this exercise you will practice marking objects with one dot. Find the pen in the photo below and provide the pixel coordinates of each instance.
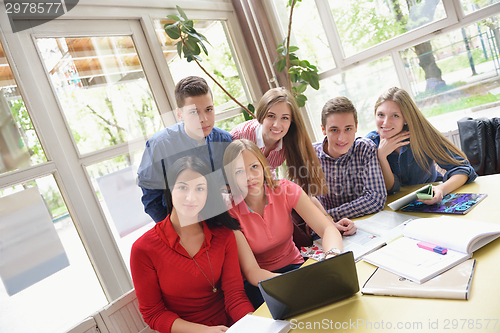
(432, 247)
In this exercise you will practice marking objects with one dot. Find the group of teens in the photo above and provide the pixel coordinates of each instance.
(198, 267)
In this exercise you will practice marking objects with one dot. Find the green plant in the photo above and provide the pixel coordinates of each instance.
(300, 72)
(190, 46)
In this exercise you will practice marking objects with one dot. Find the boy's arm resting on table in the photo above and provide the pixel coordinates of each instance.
(321, 224)
(153, 204)
(249, 266)
(374, 193)
(236, 302)
(345, 226)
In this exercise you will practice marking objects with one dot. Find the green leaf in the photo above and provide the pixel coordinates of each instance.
(189, 24)
(301, 88)
(179, 9)
(204, 48)
(293, 48)
(293, 57)
(174, 17)
(280, 48)
(173, 33)
(189, 58)
(251, 107)
(280, 66)
(197, 57)
(314, 81)
(295, 62)
(179, 49)
(306, 76)
(283, 52)
(301, 100)
(294, 77)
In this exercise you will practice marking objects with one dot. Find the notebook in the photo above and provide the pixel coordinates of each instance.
(292, 293)
(455, 283)
(461, 237)
(452, 203)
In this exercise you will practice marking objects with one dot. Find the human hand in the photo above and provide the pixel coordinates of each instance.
(387, 146)
(346, 227)
(214, 329)
(438, 196)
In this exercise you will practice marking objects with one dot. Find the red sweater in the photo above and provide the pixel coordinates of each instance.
(169, 285)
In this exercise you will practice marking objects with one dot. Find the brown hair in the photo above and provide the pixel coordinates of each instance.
(338, 105)
(426, 140)
(303, 165)
(190, 86)
(233, 151)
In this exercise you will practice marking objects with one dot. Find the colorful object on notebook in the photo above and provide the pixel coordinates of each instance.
(452, 203)
(432, 247)
(426, 193)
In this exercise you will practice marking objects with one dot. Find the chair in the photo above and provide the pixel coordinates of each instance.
(123, 316)
(480, 141)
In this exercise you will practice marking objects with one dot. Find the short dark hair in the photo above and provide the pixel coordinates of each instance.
(214, 212)
(338, 105)
(190, 86)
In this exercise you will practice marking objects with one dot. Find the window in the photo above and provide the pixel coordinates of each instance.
(456, 73)
(101, 88)
(222, 63)
(378, 44)
(19, 143)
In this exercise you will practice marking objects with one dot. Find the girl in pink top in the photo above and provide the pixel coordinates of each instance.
(263, 207)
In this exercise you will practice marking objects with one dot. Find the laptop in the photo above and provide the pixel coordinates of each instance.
(311, 287)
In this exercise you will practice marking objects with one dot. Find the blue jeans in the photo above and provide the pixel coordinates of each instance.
(253, 292)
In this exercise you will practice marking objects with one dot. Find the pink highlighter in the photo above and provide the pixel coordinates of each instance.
(432, 247)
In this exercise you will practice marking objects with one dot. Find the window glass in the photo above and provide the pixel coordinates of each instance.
(362, 85)
(220, 62)
(307, 33)
(230, 123)
(456, 74)
(102, 89)
(470, 6)
(362, 24)
(62, 299)
(115, 183)
(19, 144)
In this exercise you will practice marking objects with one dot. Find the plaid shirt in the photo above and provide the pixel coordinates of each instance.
(355, 181)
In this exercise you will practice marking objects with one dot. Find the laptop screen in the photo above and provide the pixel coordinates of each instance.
(311, 287)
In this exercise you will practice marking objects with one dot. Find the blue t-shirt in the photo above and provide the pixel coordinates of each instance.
(407, 171)
(166, 147)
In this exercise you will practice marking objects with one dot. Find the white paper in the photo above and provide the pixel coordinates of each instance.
(254, 324)
(30, 249)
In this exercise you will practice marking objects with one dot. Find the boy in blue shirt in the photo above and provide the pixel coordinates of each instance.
(195, 135)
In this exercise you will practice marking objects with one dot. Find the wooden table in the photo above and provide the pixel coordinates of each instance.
(481, 313)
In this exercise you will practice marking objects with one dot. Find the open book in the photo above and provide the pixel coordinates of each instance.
(461, 237)
(374, 232)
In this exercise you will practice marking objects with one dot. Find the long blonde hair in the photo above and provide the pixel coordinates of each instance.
(232, 153)
(303, 165)
(426, 141)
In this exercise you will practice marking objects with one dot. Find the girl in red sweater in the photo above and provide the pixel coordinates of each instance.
(185, 270)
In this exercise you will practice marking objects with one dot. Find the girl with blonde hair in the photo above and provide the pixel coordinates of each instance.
(409, 148)
(280, 133)
(263, 206)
